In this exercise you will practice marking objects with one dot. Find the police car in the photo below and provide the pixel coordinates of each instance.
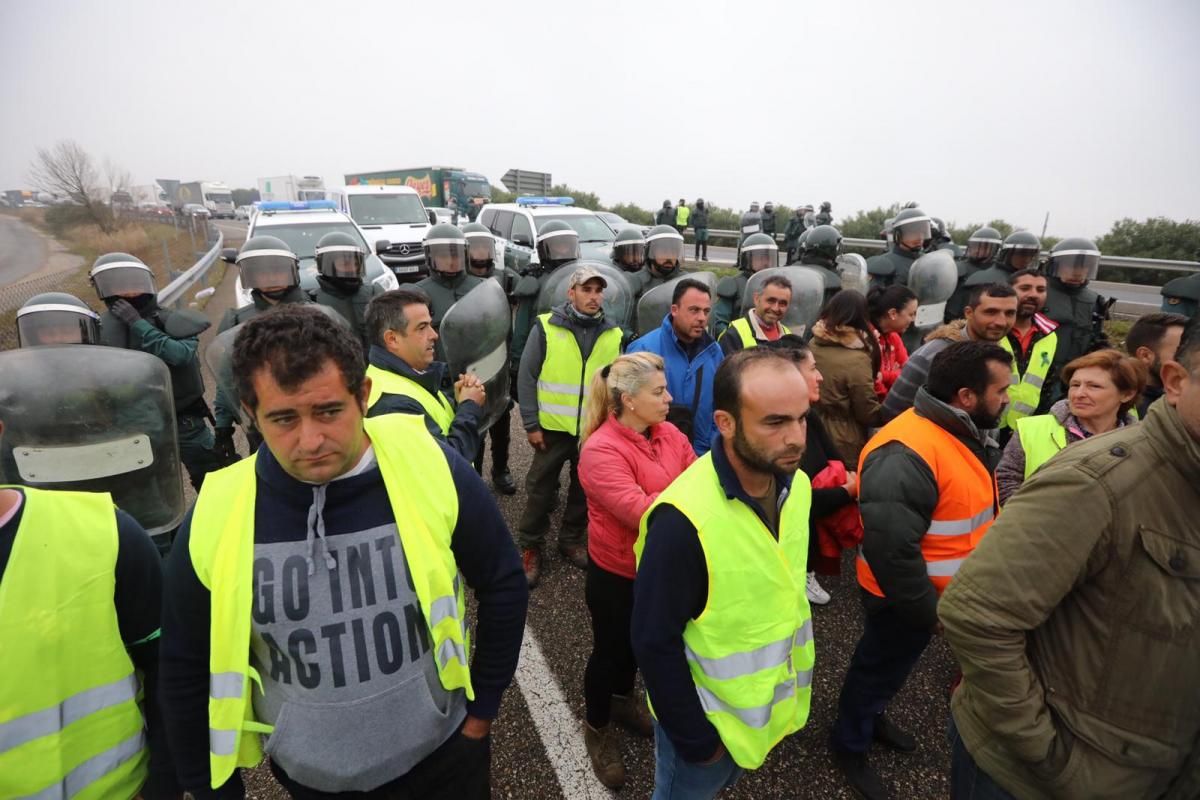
(515, 227)
(301, 225)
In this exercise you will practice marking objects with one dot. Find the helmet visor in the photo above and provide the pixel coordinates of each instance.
(119, 279)
(38, 325)
(560, 247)
(1018, 258)
(982, 249)
(630, 255)
(665, 253)
(1075, 267)
(349, 262)
(268, 271)
(912, 234)
(481, 250)
(757, 260)
(448, 257)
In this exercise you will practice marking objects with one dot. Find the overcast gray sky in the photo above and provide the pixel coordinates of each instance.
(1087, 110)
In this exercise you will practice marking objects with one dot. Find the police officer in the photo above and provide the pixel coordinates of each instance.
(750, 223)
(758, 252)
(822, 246)
(1182, 295)
(56, 318)
(768, 219)
(1079, 311)
(341, 266)
(446, 259)
(826, 215)
(982, 247)
(941, 237)
(134, 321)
(271, 271)
(665, 215)
(664, 259)
(791, 235)
(1019, 251)
(910, 234)
(700, 228)
(629, 250)
(481, 262)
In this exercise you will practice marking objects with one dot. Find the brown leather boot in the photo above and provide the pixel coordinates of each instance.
(605, 752)
(630, 712)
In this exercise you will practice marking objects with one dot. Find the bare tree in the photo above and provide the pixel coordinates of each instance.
(67, 170)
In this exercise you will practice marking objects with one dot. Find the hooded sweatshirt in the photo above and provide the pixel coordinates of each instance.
(587, 332)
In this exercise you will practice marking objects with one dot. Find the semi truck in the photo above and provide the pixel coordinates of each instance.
(213, 195)
(436, 185)
(292, 188)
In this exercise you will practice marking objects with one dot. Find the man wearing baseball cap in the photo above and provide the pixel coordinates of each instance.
(565, 349)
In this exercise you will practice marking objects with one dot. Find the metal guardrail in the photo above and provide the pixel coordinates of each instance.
(172, 295)
(1105, 261)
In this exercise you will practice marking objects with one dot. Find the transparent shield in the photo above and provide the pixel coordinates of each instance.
(474, 335)
(656, 303)
(852, 267)
(93, 419)
(808, 295)
(618, 294)
(933, 278)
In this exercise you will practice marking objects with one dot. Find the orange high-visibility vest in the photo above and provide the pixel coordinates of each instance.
(967, 497)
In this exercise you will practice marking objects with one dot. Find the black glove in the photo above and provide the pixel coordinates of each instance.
(224, 445)
(123, 310)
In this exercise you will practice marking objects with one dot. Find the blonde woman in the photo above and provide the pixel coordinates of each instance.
(629, 454)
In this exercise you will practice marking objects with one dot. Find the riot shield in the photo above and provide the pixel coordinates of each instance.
(93, 419)
(474, 334)
(656, 303)
(853, 269)
(933, 278)
(618, 294)
(808, 295)
(219, 358)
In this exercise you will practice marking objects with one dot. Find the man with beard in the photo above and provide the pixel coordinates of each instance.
(761, 324)
(1153, 339)
(928, 495)
(1032, 342)
(722, 628)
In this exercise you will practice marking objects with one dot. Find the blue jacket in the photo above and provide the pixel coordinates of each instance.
(689, 382)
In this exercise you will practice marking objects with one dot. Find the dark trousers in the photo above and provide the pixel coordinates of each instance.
(500, 434)
(541, 485)
(458, 770)
(885, 655)
(611, 666)
(197, 448)
(967, 780)
(701, 248)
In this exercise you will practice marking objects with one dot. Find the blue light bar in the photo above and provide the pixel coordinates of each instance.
(545, 201)
(296, 205)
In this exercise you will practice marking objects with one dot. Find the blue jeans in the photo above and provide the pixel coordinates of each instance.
(676, 779)
(967, 780)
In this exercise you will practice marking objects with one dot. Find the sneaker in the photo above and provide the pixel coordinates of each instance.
(630, 712)
(863, 780)
(888, 735)
(605, 754)
(503, 482)
(531, 560)
(816, 595)
(576, 554)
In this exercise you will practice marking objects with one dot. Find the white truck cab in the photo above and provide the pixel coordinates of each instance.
(394, 223)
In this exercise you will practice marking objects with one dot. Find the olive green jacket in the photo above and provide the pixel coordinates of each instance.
(1077, 623)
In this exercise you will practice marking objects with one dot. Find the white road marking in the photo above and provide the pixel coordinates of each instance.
(561, 733)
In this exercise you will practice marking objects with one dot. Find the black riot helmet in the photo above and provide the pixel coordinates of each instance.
(940, 234)
(445, 250)
(629, 250)
(341, 256)
(983, 245)
(664, 249)
(268, 265)
(912, 230)
(1074, 261)
(823, 244)
(557, 244)
(1020, 251)
(481, 249)
(754, 205)
(121, 275)
(769, 206)
(56, 318)
(826, 207)
(758, 252)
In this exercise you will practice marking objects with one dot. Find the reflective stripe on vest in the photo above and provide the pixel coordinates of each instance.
(1041, 439)
(70, 725)
(967, 497)
(425, 505)
(750, 653)
(438, 408)
(745, 331)
(1025, 391)
(564, 377)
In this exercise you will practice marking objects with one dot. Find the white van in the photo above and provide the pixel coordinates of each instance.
(393, 221)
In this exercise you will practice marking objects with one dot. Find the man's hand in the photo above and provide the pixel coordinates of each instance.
(123, 310)
(536, 439)
(223, 444)
(476, 728)
(469, 387)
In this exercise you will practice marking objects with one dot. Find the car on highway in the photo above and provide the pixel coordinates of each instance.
(515, 224)
(243, 212)
(619, 223)
(194, 210)
(301, 225)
